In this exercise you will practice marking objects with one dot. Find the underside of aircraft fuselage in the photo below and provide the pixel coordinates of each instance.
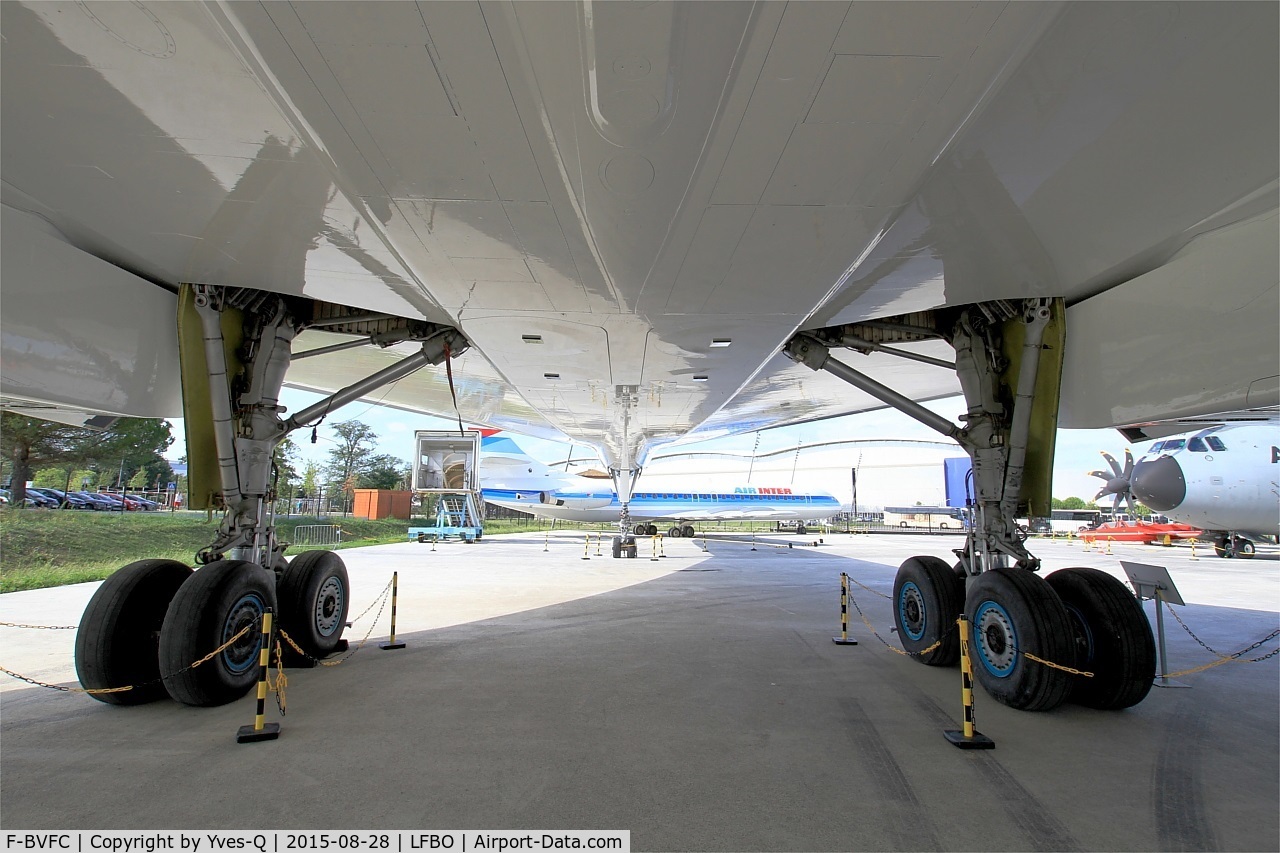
(631, 223)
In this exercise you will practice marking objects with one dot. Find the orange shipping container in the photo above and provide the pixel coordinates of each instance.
(381, 503)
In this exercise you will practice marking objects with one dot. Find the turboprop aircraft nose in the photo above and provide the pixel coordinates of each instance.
(1159, 483)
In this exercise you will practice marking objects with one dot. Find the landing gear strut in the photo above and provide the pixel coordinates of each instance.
(163, 615)
(1008, 358)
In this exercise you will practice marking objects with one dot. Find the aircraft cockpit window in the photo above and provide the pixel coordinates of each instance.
(1197, 445)
(1215, 443)
(1174, 444)
(1155, 448)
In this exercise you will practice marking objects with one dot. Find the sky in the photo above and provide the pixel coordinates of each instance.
(1078, 451)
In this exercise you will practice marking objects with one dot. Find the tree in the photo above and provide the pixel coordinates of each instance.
(351, 457)
(385, 472)
(286, 461)
(32, 443)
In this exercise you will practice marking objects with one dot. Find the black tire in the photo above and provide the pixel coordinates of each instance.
(119, 638)
(674, 533)
(1113, 639)
(1220, 547)
(208, 610)
(1012, 612)
(1244, 549)
(801, 530)
(688, 531)
(617, 547)
(314, 595)
(928, 597)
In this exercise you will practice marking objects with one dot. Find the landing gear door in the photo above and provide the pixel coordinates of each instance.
(1037, 478)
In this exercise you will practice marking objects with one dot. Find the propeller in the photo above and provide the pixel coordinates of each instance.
(1117, 480)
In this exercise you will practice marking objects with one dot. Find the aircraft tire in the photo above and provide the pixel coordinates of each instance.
(801, 530)
(617, 547)
(314, 594)
(216, 603)
(688, 531)
(1113, 639)
(674, 533)
(928, 597)
(1013, 612)
(119, 638)
(640, 529)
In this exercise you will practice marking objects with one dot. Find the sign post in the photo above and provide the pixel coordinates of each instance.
(1154, 582)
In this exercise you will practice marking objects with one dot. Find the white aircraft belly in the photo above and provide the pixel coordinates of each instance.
(636, 180)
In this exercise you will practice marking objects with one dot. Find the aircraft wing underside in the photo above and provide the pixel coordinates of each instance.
(628, 209)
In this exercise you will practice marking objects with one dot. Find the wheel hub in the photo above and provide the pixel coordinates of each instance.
(241, 654)
(329, 606)
(912, 611)
(995, 639)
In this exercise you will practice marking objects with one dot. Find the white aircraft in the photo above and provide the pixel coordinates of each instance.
(626, 224)
(511, 478)
(1225, 480)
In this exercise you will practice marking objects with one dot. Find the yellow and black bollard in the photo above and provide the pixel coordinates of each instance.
(654, 558)
(261, 730)
(546, 540)
(395, 591)
(586, 546)
(844, 639)
(1193, 549)
(599, 540)
(1108, 545)
(662, 550)
(969, 738)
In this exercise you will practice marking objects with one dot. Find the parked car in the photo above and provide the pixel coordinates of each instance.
(64, 500)
(31, 501)
(117, 502)
(97, 503)
(144, 503)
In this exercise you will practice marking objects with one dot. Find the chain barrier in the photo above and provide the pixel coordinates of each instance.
(98, 691)
(385, 594)
(1053, 665)
(891, 648)
(278, 684)
(39, 627)
(380, 597)
(1237, 657)
(870, 590)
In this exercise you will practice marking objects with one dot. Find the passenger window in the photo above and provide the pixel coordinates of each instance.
(1196, 445)
(1215, 443)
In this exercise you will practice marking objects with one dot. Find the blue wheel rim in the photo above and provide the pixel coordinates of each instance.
(243, 654)
(995, 639)
(910, 593)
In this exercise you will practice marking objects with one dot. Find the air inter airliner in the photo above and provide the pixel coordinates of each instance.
(625, 224)
(510, 478)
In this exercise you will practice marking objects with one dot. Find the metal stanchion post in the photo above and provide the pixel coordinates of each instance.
(844, 639)
(654, 558)
(261, 730)
(395, 590)
(586, 546)
(969, 738)
(599, 541)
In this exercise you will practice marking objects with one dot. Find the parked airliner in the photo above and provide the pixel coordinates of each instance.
(510, 478)
(1225, 479)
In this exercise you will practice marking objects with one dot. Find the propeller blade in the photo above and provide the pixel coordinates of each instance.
(1101, 492)
(1115, 507)
(1128, 464)
(1115, 466)
(1103, 474)
(1133, 510)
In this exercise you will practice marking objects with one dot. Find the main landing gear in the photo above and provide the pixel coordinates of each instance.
(1026, 632)
(153, 619)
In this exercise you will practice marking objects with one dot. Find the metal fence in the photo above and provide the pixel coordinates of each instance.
(317, 534)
